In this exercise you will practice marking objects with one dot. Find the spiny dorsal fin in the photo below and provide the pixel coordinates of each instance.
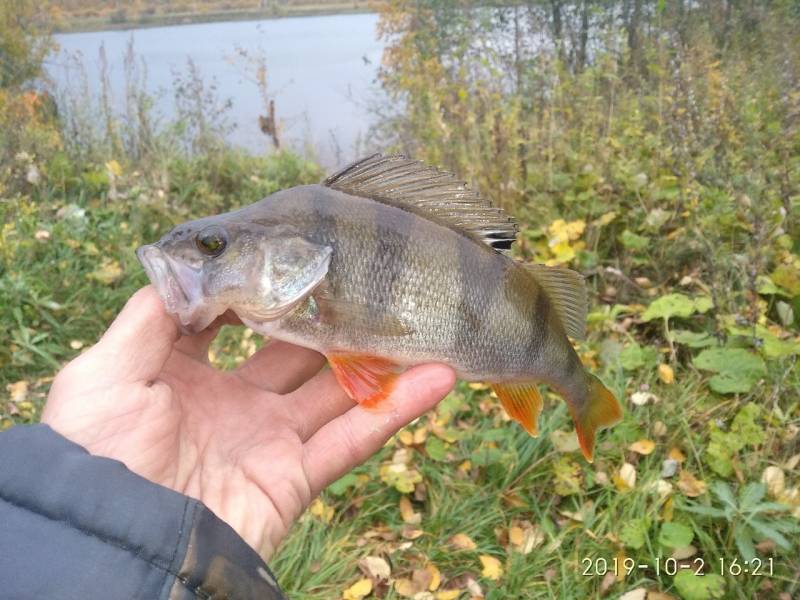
(429, 193)
(567, 291)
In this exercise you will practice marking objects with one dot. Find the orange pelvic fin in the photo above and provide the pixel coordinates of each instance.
(522, 402)
(367, 379)
(601, 410)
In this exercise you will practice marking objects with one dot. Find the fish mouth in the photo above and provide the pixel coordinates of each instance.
(179, 287)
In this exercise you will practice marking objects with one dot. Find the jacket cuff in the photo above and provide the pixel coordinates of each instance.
(70, 521)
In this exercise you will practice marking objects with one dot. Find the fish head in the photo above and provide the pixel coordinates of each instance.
(203, 268)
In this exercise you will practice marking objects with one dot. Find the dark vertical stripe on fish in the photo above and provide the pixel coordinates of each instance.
(539, 320)
(389, 260)
(480, 279)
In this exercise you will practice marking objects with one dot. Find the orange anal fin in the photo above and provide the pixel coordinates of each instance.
(602, 410)
(366, 379)
(522, 402)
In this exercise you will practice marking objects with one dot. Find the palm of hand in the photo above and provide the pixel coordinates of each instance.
(255, 445)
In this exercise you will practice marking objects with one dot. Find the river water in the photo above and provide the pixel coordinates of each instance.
(321, 72)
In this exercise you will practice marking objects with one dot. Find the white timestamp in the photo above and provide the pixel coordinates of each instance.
(670, 566)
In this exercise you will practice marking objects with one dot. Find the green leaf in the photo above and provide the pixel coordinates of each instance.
(341, 485)
(634, 533)
(771, 533)
(770, 344)
(743, 537)
(436, 448)
(737, 370)
(676, 305)
(693, 339)
(634, 241)
(675, 535)
(699, 587)
(706, 511)
(635, 357)
(724, 492)
(750, 495)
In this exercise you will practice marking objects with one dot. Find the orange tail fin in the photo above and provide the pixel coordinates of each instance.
(601, 409)
(522, 403)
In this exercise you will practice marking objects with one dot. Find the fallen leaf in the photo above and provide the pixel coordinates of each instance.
(676, 455)
(375, 567)
(358, 591)
(643, 447)
(625, 478)
(406, 437)
(637, 594)
(690, 485)
(775, 481)
(407, 512)
(42, 235)
(18, 391)
(684, 552)
(411, 533)
(492, 567)
(461, 541)
(76, 344)
(319, 509)
(448, 594)
(406, 588)
(525, 537)
(436, 577)
(665, 373)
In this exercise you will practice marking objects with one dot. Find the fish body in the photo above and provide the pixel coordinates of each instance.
(389, 264)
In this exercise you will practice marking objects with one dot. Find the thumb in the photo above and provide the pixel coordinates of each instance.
(140, 340)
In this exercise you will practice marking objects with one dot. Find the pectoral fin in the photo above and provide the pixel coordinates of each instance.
(522, 402)
(366, 379)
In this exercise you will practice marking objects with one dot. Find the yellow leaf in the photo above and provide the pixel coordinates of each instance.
(605, 219)
(463, 542)
(676, 455)
(406, 437)
(665, 373)
(358, 591)
(690, 485)
(319, 509)
(625, 478)
(114, 167)
(448, 595)
(406, 588)
(436, 577)
(420, 434)
(18, 391)
(643, 447)
(516, 535)
(407, 512)
(492, 568)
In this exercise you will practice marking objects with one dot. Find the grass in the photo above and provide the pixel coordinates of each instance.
(481, 475)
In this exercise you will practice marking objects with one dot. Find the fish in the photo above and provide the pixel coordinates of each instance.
(386, 264)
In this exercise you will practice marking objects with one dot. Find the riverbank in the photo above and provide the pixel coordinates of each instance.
(121, 20)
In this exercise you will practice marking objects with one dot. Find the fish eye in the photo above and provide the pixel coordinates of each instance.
(212, 241)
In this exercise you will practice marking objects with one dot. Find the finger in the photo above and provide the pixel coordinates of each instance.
(281, 367)
(140, 340)
(196, 346)
(350, 439)
(318, 401)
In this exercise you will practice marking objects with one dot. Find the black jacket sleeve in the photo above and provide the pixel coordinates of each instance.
(73, 525)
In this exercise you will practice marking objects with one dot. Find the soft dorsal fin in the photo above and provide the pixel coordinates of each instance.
(567, 291)
(429, 193)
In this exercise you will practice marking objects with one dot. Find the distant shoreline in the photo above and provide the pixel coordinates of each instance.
(141, 21)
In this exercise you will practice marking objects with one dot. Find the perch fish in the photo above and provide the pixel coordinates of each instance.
(390, 263)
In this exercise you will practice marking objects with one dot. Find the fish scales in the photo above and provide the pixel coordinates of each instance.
(389, 264)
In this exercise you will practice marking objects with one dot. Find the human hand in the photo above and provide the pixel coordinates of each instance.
(255, 445)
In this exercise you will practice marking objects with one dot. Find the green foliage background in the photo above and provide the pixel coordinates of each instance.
(653, 146)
